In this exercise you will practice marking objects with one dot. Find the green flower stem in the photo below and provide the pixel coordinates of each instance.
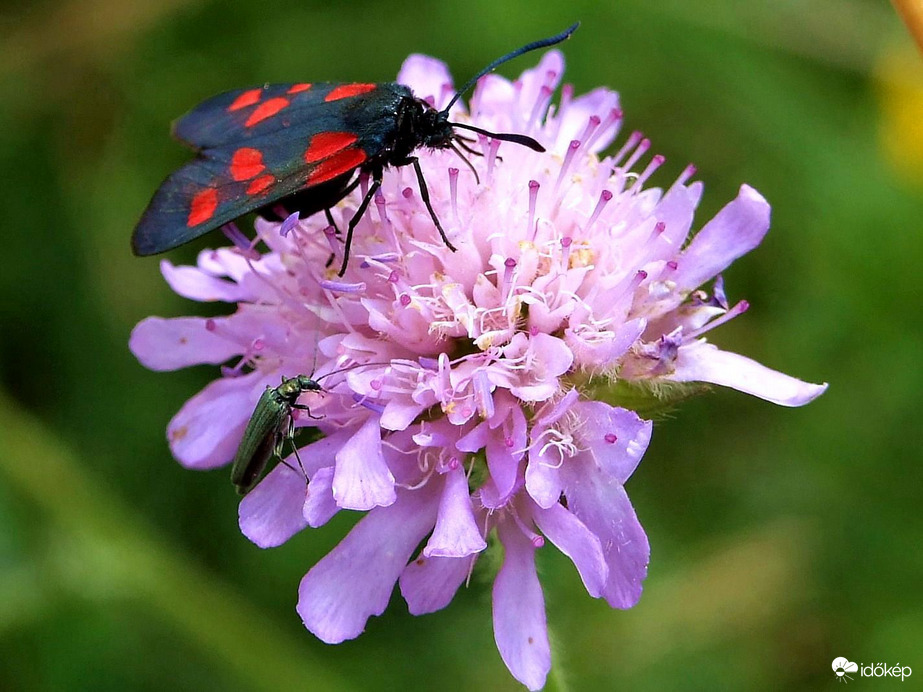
(141, 565)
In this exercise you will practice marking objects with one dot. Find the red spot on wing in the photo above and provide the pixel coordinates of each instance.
(341, 162)
(345, 91)
(267, 109)
(203, 206)
(246, 163)
(248, 98)
(298, 88)
(326, 144)
(260, 184)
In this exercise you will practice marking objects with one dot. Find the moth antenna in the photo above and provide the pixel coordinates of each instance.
(524, 140)
(535, 45)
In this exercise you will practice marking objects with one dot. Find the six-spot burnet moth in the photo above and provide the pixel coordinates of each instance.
(285, 148)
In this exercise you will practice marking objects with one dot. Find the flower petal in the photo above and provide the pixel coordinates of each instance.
(354, 581)
(206, 431)
(399, 413)
(575, 117)
(735, 230)
(520, 629)
(426, 77)
(270, 514)
(704, 362)
(319, 505)
(456, 533)
(503, 465)
(170, 344)
(599, 501)
(616, 437)
(576, 541)
(543, 477)
(429, 584)
(195, 284)
(362, 479)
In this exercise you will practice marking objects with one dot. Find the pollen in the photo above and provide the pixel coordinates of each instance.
(581, 255)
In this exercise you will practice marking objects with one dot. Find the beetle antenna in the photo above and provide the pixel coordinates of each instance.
(351, 367)
(535, 45)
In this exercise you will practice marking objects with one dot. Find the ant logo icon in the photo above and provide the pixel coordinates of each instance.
(841, 666)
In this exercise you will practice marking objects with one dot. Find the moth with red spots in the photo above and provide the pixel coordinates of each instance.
(285, 148)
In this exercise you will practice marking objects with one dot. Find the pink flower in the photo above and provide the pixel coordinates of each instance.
(470, 412)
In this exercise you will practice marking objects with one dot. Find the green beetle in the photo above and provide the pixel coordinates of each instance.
(269, 427)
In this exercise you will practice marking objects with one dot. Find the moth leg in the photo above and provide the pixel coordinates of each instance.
(373, 188)
(331, 222)
(424, 193)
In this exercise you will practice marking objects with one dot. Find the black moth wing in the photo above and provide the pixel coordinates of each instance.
(359, 122)
(170, 219)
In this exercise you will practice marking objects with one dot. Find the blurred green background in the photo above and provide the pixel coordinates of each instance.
(781, 539)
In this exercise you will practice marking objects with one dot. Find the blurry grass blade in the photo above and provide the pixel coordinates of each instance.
(212, 615)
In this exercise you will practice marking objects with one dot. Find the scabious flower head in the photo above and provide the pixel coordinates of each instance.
(468, 410)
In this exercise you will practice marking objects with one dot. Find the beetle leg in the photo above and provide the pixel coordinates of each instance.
(304, 407)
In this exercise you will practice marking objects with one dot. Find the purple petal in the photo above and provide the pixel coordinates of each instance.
(738, 228)
(475, 440)
(598, 102)
(426, 77)
(576, 541)
(503, 465)
(551, 358)
(429, 584)
(456, 533)
(597, 354)
(520, 629)
(551, 415)
(354, 581)
(207, 429)
(362, 479)
(399, 413)
(703, 362)
(319, 505)
(616, 437)
(170, 344)
(675, 211)
(532, 80)
(195, 284)
(599, 501)
(270, 514)
(543, 477)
